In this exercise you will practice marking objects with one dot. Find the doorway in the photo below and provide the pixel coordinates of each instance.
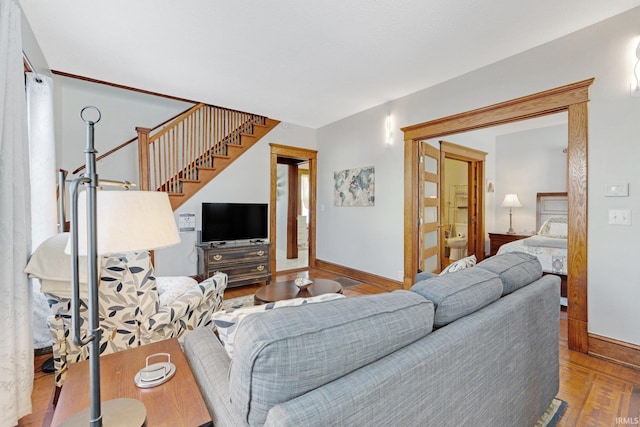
(463, 199)
(292, 214)
(292, 224)
(573, 99)
(452, 213)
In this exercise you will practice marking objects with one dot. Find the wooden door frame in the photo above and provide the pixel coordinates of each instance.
(572, 98)
(449, 150)
(302, 154)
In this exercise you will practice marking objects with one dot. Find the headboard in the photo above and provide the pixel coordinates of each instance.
(549, 205)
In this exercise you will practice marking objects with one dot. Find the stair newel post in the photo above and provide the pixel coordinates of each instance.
(144, 170)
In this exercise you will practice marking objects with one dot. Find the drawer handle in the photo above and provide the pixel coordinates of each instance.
(217, 257)
(260, 267)
(260, 253)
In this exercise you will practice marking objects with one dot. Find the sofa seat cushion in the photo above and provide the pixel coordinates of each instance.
(458, 294)
(282, 354)
(516, 269)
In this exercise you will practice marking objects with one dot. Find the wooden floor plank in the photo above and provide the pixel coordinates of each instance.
(598, 392)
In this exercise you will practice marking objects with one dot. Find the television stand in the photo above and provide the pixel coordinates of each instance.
(244, 263)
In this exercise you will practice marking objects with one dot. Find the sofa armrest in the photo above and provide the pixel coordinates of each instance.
(210, 366)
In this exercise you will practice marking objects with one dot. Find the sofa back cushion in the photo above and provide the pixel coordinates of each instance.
(516, 269)
(460, 293)
(281, 354)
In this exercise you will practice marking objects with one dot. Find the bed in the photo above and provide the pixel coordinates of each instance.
(549, 245)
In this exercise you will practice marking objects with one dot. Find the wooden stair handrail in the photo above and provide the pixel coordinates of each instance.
(172, 155)
(124, 144)
(180, 117)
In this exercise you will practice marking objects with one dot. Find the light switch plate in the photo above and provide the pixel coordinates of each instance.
(617, 190)
(620, 216)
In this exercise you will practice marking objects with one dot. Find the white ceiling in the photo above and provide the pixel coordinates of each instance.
(303, 62)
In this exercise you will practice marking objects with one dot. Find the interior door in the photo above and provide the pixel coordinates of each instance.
(430, 236)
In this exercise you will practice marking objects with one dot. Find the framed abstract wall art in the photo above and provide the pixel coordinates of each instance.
(354, 187)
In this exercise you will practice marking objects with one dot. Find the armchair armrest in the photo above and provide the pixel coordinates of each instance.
(207, 294)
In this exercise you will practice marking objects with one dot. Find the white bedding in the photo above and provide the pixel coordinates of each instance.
(553, 258)
(551, 242)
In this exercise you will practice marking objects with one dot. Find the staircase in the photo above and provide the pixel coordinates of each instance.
(183, 154)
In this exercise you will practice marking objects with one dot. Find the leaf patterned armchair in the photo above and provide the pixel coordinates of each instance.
(135, 307)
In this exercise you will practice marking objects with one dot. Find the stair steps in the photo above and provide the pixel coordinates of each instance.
(190, 187)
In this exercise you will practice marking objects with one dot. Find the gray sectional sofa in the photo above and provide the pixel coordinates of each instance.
(477, 347)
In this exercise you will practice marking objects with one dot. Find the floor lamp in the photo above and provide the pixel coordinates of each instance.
(115, 222)
(511, 201)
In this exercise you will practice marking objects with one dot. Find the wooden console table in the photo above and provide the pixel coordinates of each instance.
(244, 263)
(175, 403)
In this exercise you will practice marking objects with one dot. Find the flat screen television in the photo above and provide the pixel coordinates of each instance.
(234, 221)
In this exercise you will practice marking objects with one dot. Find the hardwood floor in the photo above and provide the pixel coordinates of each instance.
(598, 392)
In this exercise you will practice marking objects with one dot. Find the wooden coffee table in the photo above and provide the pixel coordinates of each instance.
(175, 403)
(288, 290)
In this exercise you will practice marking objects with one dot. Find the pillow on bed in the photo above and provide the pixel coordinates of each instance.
(555, 227)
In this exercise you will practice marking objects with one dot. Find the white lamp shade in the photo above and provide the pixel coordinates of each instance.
(128, 221)
(511, 201)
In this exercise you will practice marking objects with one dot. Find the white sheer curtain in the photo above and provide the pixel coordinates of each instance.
(42, 166)
(16, 338)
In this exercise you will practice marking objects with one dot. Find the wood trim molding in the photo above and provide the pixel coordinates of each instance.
(620, 352)
(530, 106)
(373, 279)
(297, 153)
(572, 98)
(119, 86)
(460, 152)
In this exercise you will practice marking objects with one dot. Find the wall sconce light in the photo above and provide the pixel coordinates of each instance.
(389, 140)
(511, 201)
(635, 87)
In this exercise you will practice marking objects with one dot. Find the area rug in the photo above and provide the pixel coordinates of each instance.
(553, 414)
(347, 282)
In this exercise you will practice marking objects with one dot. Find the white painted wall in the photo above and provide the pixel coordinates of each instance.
(371, 239)
(364, 238)
(528, 163)
(122, 111)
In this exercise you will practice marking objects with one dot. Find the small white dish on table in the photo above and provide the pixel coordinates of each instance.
(303, 283)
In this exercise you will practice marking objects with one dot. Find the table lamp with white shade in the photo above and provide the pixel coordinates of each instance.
(108, 222)
(511, 201)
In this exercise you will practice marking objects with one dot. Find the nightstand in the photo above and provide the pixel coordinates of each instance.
(498, 239)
